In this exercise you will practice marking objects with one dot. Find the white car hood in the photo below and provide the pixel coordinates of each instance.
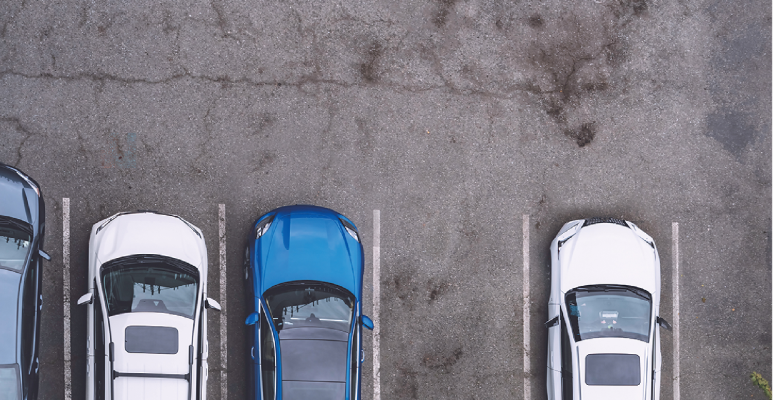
(614, 346)
(148, 233)
(132, 388)
(607, 254)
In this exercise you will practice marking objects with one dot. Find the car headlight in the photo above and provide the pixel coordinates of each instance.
(350, 228)
(645, 237)
(263, 226)
(109, 220)
(28, 180)
(567, 234)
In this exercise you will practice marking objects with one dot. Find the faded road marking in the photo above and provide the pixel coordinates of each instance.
(66, 297)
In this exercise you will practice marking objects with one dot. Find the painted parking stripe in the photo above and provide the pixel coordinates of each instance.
(376, 304)
(223, 315)
(66, 296)
(675, 283)
(526, 317)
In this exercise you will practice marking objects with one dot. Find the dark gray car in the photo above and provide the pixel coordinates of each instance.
(22, 223)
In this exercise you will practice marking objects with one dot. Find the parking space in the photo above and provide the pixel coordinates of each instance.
(459, 136)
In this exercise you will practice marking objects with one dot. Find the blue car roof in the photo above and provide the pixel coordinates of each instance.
(308, 243)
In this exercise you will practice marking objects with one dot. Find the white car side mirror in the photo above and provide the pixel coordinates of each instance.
(86, 299)
(209, 303)
(663, 323)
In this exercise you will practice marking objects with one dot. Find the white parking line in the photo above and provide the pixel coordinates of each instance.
(376, 304)
(66, 296)
(526, 319)
(675, 283)
(223, 316)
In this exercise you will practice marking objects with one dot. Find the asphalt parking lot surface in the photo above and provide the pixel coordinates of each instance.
(454, 119)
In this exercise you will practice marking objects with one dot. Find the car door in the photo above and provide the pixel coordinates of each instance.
(253, 335)
(356, 358)
(267, 359)
(96, 348)
(554, 353)
(567, 366)
(203, 348)
(656, 361)
(29, 330)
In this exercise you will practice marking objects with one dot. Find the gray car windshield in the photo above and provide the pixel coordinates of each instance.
(150, 284)
(9, 383)
(312, 304)
(609, 311)
(14, 246)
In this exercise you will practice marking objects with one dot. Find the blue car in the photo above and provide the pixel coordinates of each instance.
(303, 272)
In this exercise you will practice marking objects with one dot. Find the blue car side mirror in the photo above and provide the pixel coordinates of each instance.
(367, 322)
(252, 319)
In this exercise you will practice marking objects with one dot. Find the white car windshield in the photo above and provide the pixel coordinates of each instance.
(609, 311)
(150, 283)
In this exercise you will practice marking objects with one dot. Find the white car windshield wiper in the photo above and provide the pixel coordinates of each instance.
(614, 288)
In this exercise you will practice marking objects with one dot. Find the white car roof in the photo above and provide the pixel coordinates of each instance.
(129, 388)
(149, 233)
(606, 253)
(614, 346)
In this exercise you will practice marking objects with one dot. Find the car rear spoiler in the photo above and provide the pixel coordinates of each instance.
(116, 374)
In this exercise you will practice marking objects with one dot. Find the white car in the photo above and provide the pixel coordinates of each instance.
(603, 312)
(147, 309)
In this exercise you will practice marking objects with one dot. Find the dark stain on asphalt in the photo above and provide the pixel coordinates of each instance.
(366, 141)
(168, 23)
(441, 17)
(583, 135)
(264, 161)
(265, 121)
(731, 129)
(442, 361)
(369, 68)
(407, 386)
(435, 290)
(535, 21)
(579, 60)
(403, 287)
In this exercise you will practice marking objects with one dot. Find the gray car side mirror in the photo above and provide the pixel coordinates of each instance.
(86, 299)
(44, 255)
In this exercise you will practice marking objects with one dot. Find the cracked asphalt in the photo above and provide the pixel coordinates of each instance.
(452, 117)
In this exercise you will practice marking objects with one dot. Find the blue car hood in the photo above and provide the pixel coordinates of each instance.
(19, 200)
(309, 243)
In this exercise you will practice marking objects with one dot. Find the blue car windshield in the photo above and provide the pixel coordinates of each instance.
(609, 311)
(14, 245)
(9, 383)
(310, 304)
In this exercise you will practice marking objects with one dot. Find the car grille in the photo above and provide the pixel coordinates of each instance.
(604, 220)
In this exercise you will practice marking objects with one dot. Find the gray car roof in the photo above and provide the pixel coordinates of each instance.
(9, 296)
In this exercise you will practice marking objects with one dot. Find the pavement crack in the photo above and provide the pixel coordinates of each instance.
(313, 79)
(16, 122)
